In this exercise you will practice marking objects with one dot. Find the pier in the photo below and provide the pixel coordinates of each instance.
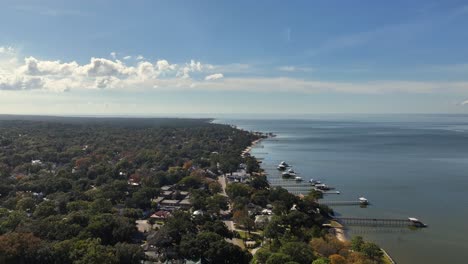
(360, 201)
(383, 222)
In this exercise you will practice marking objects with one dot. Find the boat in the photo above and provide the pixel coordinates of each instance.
(314, 182)
(323, 187)
(416, 222)
(298, 179)
(288, 174)
(363, 201)
(282, 167)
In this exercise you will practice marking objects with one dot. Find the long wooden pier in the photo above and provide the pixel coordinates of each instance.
(384, 222)
(342, 203)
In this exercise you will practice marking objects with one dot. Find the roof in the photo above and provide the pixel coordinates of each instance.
(157, 200)
(169, 201)
(166, 188)
(185, 202)
(161, 214)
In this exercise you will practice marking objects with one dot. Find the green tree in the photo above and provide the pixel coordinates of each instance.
(45, 209)
(356, 243)
(321, 261)
(278, 258)
(298, 251)
(129, 253)
(371, 251)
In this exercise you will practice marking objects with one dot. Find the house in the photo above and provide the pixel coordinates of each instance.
(238, 176)
(161, 215)
(185, 204)
(167, 194)
(166, 188)
(261, 221)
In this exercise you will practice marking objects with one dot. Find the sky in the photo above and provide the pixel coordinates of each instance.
(106, 57)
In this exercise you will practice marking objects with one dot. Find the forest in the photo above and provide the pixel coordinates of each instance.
(72, 190)
(64, 191)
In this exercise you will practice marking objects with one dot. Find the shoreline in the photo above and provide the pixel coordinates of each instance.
(339, 232)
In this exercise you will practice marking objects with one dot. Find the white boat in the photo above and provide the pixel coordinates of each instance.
(363, 201)
(282, 167)
(314, 182)
(287, 174)
(297, 178)
(323, 187)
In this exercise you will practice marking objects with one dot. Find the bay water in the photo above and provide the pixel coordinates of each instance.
(405, 165)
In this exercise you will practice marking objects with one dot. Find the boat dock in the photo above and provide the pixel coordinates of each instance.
(360, 201)
(383, 222)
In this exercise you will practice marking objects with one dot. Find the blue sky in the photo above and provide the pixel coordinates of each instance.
(267, 57)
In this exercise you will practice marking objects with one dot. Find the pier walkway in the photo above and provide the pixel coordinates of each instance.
(339, 203)
(383, 222)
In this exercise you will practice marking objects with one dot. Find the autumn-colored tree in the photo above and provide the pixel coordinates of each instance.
(327, 246)
(187, 165)
(82, 163)
(242, 218)
(337, 259)
(17, 247)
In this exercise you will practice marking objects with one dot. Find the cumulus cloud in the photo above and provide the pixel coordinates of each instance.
(99, 73)
(127, 57)
(215, 76)
(32, 73)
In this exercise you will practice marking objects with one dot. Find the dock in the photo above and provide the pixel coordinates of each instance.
(361, 201)
(382, 222)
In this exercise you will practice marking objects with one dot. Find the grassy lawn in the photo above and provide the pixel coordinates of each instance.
(335, 224)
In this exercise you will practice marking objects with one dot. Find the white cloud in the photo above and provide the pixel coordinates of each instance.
(464, 102)
(140, 57)
(32, 73)
(215, 76)
(127, 57)
(113, 55)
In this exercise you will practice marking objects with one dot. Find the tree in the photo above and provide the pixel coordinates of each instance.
(275, 228)
(328, 246)
(129, 253)
(242, 218)
(262, 255)
(278, 258)
(217, 227)
(235, 190)
(356, 243)
(215, 187)
(91, 251)
(45, 209)
(337, 259)
(216, 203)
(19, 247)
(26, 204)
(371, 251)
(321, 261)
(298, 251)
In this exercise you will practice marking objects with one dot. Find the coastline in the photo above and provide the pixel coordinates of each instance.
(340, 230)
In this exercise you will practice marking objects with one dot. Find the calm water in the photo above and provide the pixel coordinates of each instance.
(414, 166)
